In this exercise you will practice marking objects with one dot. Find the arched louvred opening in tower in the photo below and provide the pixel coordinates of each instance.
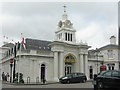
(66, 36)
(71, 37)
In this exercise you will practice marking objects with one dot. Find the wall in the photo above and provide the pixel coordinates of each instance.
(33, 64)
(111, 60)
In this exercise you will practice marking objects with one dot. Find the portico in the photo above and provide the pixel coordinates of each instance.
(68, 56)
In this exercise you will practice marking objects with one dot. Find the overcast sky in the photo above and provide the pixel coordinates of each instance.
(94, 22)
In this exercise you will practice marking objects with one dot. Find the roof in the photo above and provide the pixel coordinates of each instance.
(110, 46)
(8, 45)
(37, 44)
(112, 37)
(92, 51)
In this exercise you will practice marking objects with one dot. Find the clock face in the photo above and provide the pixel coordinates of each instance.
(60, 24)
(68, 22)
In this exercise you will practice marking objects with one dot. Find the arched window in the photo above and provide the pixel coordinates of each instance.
(69, 58)
(42, 71)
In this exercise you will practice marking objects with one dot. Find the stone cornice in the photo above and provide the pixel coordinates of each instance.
(67, 44)
(67, 29)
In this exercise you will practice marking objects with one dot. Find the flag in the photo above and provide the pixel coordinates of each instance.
(23, 43)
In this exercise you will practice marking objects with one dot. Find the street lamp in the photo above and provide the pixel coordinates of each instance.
(15, 52)
(11, 64)
(14, 70)
(97, 59)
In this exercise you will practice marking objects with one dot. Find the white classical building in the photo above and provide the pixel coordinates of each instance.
(51, 59)
(54, 59)
(107, 55)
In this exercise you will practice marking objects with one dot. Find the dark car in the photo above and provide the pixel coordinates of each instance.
(73, 77)
(107, 79)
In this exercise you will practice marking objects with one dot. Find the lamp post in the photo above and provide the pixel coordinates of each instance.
(97, 59)
(15, 52)
(11, 64)
(14, 70)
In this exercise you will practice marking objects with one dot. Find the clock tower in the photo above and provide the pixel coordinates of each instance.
(65, 31)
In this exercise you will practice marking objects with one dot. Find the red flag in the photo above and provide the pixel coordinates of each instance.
(23, 43)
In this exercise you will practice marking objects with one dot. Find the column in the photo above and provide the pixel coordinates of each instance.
(69, 37)
(86, 64)
(81, 63)
(56, 66)
(61, 66)
(31, 71)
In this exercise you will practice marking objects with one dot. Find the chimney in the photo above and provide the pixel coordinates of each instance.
(113, 40)
(119, 37)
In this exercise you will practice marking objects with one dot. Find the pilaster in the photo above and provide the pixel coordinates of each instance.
(56, 66)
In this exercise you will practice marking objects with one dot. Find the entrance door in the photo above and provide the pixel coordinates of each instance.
(91, 72)
(69, 62)
(68, 69)
(42, 71)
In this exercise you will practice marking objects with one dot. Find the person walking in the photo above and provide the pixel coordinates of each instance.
(8, 77)
(3, 76)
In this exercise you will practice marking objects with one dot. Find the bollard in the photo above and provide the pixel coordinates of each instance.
(95, 82)
(37, 79)
(28, 80)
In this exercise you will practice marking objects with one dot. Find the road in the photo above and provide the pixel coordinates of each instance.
(55, 85)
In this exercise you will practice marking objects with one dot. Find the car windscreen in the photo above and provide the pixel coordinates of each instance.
(101, 73)
(72, 74)
(68, 75)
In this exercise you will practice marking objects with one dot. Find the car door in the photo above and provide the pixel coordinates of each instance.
(79, 77)
(74, 78)
(115, 79)
(107, 78)
(119, 80)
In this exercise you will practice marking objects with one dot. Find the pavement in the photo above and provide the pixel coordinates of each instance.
(32, 83)
(36, 83)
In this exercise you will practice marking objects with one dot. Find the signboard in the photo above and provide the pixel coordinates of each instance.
(102, 68)
(11, 60)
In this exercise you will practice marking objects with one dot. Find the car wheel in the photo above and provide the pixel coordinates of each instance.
(83, 81)
(100, 85)
(68, 81)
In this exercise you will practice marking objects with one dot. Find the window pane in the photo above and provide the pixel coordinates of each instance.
(115, 74)
(110, 53)
(112, 67)
(109, 67)
(107, 74)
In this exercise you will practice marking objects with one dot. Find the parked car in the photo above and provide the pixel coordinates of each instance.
(73, 77)
(107, 79)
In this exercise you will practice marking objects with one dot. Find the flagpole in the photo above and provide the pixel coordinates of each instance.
(19, 58)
